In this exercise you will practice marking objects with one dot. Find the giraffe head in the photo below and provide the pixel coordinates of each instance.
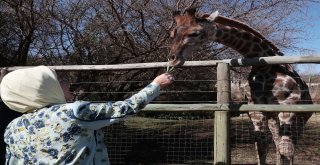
(192, 31)
(189, 33)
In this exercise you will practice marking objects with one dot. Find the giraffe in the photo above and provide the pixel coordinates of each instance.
(270, 84)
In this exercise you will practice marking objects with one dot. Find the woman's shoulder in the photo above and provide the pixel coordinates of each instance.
(56, 109)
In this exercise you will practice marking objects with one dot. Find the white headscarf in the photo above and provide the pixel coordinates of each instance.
(25, 90)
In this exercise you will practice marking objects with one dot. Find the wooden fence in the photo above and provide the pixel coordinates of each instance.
(222, 108)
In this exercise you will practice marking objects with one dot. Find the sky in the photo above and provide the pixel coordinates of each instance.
(312, 43)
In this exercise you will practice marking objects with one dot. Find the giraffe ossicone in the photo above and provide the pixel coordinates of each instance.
(213, 16)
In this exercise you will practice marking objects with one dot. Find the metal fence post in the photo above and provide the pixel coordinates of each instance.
(222, 118)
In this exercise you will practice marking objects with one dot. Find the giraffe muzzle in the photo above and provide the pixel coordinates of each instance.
(176, 62)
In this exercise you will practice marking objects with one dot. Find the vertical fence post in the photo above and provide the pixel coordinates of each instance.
(221, 118)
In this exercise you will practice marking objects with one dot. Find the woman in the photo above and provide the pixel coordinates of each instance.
(55, 132)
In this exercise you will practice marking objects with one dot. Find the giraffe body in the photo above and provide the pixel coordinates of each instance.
(272, 84)
(277, 85)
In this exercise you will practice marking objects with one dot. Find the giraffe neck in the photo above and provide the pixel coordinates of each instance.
(245, 43)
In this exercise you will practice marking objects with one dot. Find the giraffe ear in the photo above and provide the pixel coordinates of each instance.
(213, 16)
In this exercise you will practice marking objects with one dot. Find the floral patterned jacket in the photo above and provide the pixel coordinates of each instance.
(69, 133)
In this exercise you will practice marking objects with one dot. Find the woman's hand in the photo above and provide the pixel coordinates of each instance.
(163, 80)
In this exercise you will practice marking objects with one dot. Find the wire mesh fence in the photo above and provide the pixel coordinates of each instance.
(160, 138)
(188, 137)
(161, 141)
(168, 140)
(141, 140)
(243, 148)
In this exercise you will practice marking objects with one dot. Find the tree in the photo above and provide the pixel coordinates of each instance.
(74, 32)
(22, 17)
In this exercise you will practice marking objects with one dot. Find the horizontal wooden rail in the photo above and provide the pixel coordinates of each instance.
(273, 60)
(231, 62)
(233, 107)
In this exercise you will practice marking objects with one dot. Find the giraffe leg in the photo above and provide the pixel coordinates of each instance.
(261, 149)
(260, 137)
(273, 125)
(288, 128)
(258, 120)
(286, 150)
(291, 126)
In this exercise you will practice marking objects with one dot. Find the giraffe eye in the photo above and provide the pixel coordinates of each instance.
(194, 34)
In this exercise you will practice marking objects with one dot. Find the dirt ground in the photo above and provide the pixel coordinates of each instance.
(172, 141)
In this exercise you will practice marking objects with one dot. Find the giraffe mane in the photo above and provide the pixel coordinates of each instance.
(234, 23)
